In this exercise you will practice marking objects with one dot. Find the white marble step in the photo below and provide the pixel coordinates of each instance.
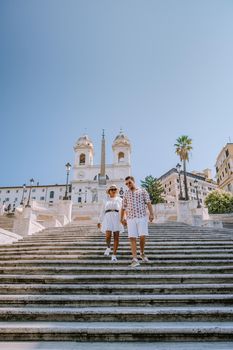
(120, 331)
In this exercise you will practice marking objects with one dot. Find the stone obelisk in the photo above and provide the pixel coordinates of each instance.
(102, 175)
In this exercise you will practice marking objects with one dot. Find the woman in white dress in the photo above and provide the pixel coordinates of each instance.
(109, 220)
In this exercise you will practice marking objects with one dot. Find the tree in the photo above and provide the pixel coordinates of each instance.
(154, 188)
(183, 148)
(219, 202)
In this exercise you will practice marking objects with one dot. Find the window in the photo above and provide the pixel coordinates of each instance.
(61, 189)
(7, 199)
(17, 191)
(227, 153)
(42, 198)
(34, 190)
(82, 159)
(79, 199)
(16, 199)
(8, 191)
(121, 157)
(43, 190)
(33, 197)
(51, 194)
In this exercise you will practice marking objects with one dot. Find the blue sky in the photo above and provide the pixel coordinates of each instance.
(156, 68)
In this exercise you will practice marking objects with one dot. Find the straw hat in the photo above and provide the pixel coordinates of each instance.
(114, 187)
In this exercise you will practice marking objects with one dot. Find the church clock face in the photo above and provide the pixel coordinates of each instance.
(81, 174)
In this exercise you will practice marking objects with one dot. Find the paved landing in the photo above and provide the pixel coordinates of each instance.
(115, 346)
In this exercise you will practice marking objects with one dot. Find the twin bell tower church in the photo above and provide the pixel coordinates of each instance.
(90, 180)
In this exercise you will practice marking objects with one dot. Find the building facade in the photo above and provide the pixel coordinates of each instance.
(224, 168)
(16, 195)
(171, 184)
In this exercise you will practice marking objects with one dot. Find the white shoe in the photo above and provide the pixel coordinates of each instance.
(114, 258)
(107, 251)
(135, 263)
(144, 258)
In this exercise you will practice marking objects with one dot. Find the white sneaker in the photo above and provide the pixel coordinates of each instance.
(135, 263)
(144, 258)
(114, 258)
(107, 251)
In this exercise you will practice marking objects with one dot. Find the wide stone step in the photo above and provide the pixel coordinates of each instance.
(123, 331)
(119, 314)
(153, 257)
(102, 244)
(115, 270)
(153, 234)
(129, 278)
(106, 262)
(115, 300)
(115, 289)
(126, 250)
(124, 236)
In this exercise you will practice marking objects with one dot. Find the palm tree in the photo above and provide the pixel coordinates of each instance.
(183, 147)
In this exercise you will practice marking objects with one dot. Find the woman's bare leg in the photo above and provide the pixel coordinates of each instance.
(108, 238)
(116, 242)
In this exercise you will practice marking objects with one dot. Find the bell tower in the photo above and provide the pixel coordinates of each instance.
(121, 150)
(84, 152)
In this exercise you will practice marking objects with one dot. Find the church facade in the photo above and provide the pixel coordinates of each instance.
(89, 179)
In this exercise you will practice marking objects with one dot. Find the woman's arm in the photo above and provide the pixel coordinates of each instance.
(101, 216)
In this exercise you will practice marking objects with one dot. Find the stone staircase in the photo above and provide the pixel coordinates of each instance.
(58, 286)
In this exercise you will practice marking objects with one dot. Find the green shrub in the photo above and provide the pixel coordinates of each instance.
(219, 202)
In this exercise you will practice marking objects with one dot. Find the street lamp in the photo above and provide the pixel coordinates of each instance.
(198, 199)
(68, 167)
(29, 196)
(24, 187)
(178, 168)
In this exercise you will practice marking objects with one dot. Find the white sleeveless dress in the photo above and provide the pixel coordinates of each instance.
(111, 221)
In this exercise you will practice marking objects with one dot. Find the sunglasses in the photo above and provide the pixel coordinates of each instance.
(112, 189)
